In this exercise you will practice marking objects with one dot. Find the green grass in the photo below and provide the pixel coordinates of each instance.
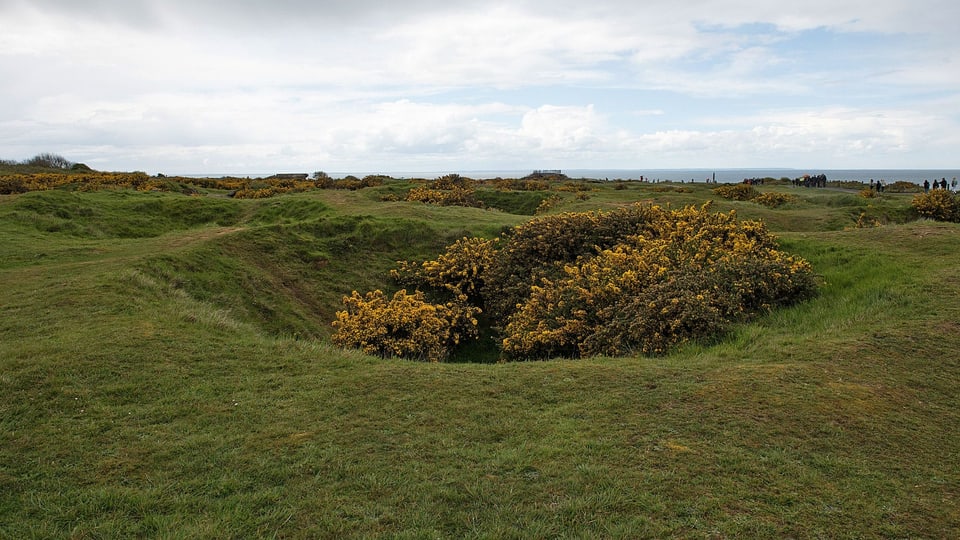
(164, 373)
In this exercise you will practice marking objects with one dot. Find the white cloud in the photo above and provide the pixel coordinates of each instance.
(431, 83)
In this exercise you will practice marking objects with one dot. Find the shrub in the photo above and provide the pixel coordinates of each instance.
(641, 279)
(519, 184)
(774, 199)
(456, 196)
(540, 247)
(11, 184)
(901, 186)
(690, 277)
(459, 270)
(736, 192)
(938, 204)
(868, 193)
(48, 160)
(452, 181)
(548, 204)
(404, 326)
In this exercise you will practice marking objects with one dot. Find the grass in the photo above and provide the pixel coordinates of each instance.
(164, 374)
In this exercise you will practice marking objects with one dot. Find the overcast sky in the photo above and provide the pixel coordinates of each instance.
(234, 86)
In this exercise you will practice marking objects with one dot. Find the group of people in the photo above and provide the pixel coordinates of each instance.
(878, 185)
(942, 184)
(806, 180)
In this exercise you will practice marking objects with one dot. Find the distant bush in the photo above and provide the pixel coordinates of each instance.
(519, 184)
(736, 192)
(452, 181)
(847, 184)
(868, 193)
(774, 199)
(938, 204)
(51, 161)
(574, 187)
(548, 204)
(455, 196)
(902, 187)
(449, 190)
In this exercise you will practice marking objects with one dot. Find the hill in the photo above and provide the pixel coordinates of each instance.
(165, 372)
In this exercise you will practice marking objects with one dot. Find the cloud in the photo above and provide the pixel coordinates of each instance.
(232, 84)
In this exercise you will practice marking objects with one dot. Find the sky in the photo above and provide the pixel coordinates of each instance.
(251, 86)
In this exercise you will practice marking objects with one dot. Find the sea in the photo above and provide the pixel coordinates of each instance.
(916, 176)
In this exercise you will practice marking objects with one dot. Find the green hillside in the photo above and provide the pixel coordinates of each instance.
(165, 372)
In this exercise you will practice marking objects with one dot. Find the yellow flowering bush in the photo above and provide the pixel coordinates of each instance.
(736, 192)
(452, 181)
(519, 184)
(774, 199)
(641, 279)
(405, 325)
(85, 181)
(449, 190)
(548, 204)
(938, 204)
(539, 248)
(459, 270)
(689, 277)
(456, 196)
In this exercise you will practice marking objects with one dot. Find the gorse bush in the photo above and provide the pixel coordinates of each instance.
(774, 199)
(736, 192)
(689, 276)
(539, 248)
(83, 181)
(456, 196)
(449, 190)
(641, 279)
(901, 186)
(405, 326)
(746, 192)
(519, 184)
(458, 271)
(938, 204)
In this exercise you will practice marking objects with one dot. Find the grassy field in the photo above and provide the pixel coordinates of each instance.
(164, 372)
